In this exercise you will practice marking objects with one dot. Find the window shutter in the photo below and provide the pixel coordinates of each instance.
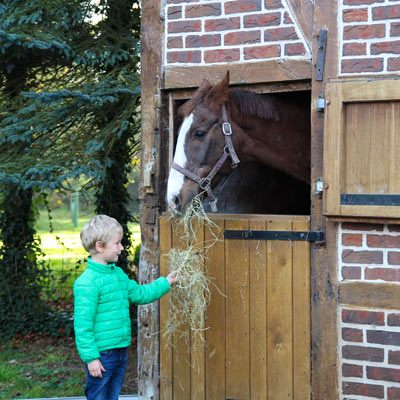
(362, 149)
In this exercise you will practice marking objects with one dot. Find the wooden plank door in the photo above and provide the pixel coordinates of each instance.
(257, 342)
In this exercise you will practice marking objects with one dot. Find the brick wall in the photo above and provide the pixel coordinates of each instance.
(369, 339)
(223, 31)
(369, 252)
(369, 36)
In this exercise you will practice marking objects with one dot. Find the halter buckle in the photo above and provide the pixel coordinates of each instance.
(205, 183)
(227, 129)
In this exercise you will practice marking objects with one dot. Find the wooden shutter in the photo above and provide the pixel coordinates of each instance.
(362, 149)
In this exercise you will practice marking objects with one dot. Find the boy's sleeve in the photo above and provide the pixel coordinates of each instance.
(144, 294)
(85, 305)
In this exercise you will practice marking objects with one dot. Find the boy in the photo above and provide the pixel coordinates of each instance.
(101, 308)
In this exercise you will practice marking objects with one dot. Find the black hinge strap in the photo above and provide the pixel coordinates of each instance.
(319, 73)
(310, 236)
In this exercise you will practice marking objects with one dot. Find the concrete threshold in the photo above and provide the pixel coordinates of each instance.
(123, 397)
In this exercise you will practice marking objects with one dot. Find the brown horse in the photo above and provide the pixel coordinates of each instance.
(268, 129)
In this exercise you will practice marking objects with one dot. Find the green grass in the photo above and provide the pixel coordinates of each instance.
(43, 367)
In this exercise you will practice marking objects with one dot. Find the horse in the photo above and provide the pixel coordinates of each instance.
(223, 127)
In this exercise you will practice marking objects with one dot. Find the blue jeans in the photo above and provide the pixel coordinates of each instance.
(110, 384)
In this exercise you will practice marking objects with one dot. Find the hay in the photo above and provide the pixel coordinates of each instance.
(190, 296)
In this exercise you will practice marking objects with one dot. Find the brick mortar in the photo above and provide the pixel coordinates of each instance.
(364, 247)
(341, 25)
(241, 47)
(364, 343)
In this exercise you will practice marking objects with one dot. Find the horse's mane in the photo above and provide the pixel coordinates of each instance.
(249, 103)
(241, 102)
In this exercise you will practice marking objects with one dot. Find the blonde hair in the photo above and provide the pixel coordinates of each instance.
(100, 228)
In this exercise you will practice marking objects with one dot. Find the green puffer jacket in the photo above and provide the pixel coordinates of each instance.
(101, 307)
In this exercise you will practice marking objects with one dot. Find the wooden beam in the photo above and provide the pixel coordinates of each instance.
(148, 315)
(303, 12)
(370, 295)
(241, 73)
(324, 291)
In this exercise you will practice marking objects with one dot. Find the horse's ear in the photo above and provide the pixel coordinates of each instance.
(190, 105)
(218, 95)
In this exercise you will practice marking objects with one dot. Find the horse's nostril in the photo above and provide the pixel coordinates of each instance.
(176, 202)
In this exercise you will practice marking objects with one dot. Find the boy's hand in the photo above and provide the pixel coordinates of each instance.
(172, 277)
(95, 368)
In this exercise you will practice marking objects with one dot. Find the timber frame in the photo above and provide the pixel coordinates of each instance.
(158, 87)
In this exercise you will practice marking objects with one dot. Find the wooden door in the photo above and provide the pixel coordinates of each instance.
(257, 345)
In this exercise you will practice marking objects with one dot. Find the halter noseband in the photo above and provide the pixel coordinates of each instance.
(229, 151)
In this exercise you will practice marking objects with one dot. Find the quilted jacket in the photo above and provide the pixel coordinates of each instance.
(101, 307)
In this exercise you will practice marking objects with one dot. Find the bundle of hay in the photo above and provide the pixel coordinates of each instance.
(189, 298)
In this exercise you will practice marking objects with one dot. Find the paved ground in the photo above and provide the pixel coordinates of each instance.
(124, 397)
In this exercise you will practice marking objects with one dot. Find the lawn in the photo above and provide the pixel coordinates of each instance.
(44, 367)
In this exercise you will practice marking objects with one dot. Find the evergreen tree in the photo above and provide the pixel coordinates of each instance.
(77, 114)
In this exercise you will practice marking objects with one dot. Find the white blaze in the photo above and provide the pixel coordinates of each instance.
(175, 179)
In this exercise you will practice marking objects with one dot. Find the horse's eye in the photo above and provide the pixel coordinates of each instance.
(199, 134)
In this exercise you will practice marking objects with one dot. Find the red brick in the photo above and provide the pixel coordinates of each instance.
(351, 239)
(242, 37)
(383, 374)
(384, 337)
(352, 335)
(351, 272)
(174, 42)
(222, 24)
(362, 257)
(394, 357)
(393, 319)
(352, 370)
(355, 15)
(363, 317)
(384, 274)
(362, 227)
(395, 29)
(386, 12)
(386, 241)
(184, 26)
(360, 2)
(393, 393)
(273, 4)
(287, 19)
(203, 10)
(258, 52)
(174, 12)
(354, 49)
(223, 55)
(295, 49)
(363, 353)
(184, 56)
(363, 31)
(260, 20)
(242, 6)
(362, 65)
(363, 389)
(274, 34)
(203, 40)
(394, 257)
(386, 47)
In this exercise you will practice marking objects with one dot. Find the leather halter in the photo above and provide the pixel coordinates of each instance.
(229, 151)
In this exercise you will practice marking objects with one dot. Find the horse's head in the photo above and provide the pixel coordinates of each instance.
(201, 145)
